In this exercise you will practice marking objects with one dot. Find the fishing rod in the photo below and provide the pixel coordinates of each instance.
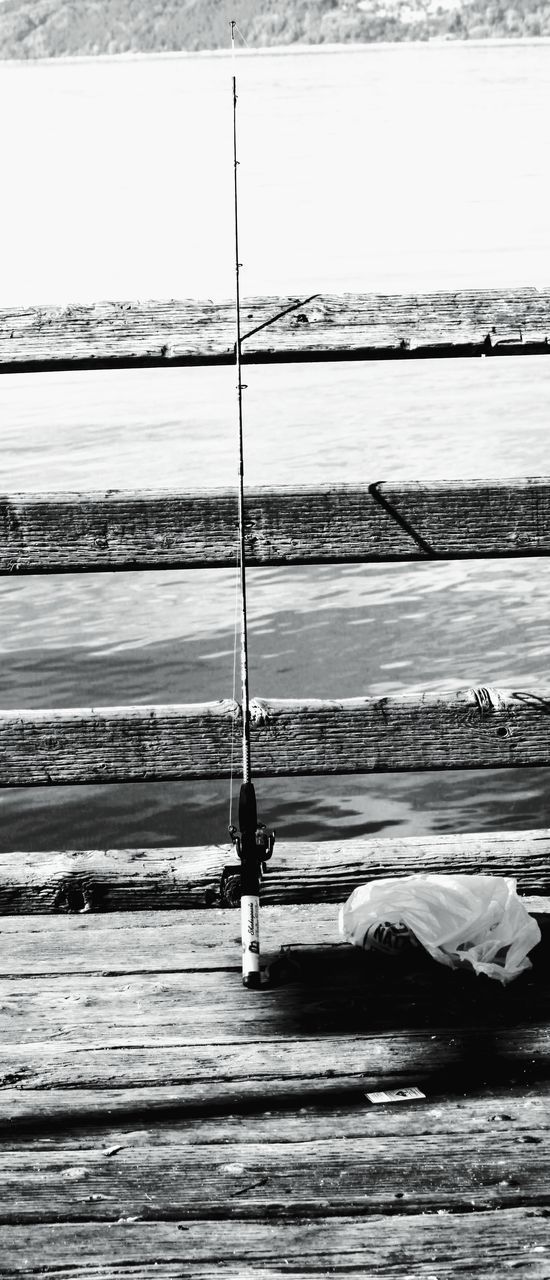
(252, 840)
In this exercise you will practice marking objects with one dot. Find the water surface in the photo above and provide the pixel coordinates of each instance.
(394, 168)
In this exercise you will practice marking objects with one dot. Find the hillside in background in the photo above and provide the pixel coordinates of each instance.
(56, 28)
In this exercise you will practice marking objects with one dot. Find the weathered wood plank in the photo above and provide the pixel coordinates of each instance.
(241, 1073)
(351, 326)
(166, 941)
(113, 880)
(171, 1179)
(186, 984)
(68, 532)
(50, 1110)
(510, 1112)
(41, 1113)
(330, 992)
(473, 728)
(469, 729)
(96, 880)
(189, 1037)
(118, 744)
(486, 1246)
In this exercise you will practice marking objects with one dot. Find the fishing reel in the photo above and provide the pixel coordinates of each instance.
(251, 838)
(262, 845)
(264, 841)
(254, 846)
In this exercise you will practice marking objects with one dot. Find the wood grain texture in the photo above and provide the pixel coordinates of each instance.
(171, 1179)
(473, 728)
(485, 1246)
(117, 744)
(69, 532)
(329, 992)
(96, 880)
(166, 941)
(185, 988)
(468, 729)
(356, 326)
(183, 1037)
(496, 1112)
(57, 1080)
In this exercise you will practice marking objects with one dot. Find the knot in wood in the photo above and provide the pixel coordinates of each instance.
(76, 898)
(230, 887)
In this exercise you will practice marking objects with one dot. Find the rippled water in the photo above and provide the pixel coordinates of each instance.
(387, 168)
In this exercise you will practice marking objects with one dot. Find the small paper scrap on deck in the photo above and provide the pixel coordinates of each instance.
(396, 1095)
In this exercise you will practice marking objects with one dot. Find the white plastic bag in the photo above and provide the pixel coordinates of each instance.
(477, 921)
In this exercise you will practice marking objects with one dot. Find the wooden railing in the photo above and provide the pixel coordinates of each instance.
(301, 871)
(276, 330)
(471, 729)
(371, 522)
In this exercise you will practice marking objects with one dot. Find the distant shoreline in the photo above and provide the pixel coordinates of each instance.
(280, 51)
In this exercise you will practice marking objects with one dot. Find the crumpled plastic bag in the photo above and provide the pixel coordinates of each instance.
(475, 921)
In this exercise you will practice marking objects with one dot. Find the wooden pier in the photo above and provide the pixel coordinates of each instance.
(158, 1119)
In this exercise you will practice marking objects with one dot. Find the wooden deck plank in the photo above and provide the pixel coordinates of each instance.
(317, 1177)
(150, 941)
(165, 941)
(486, 1246)
(117, 530)
(467, 729)
(44, 1114)
(351, 326)
(512, 1111)
(329, 993)
(48, 1080)
(113, 880)
(195, 1041)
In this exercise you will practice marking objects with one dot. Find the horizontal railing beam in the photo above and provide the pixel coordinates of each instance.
(324, 327)
(468, 729)
(69, 532)
(305, 871)
(117, 744)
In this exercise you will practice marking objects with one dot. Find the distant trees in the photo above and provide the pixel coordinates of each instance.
(38, 28)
